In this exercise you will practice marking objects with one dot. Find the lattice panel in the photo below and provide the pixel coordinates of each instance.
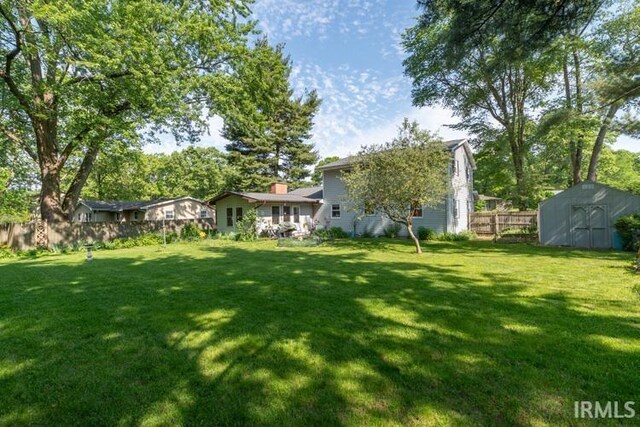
(42, 238)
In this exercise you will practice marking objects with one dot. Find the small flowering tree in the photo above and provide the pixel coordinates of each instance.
(398, 177)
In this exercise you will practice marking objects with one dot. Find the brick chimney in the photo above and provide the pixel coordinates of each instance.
(278, 188)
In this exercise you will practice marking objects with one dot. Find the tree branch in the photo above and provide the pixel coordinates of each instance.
(16, 139)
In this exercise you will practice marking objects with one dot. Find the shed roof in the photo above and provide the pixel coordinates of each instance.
(588, 185)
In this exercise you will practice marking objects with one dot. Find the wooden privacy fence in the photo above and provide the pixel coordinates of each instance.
(42, 234)
(498, 223)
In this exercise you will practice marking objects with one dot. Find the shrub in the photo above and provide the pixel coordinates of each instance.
(131, 242)
(456, 237)
(339, 233)
(247, 226)
(331, 233)
(5, 252)
(627, 226)
(299, 242)
(425, 233)
(392, 230)
(190, 231)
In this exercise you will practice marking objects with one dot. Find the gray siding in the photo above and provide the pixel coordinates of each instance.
(439, 219)
(555, 224)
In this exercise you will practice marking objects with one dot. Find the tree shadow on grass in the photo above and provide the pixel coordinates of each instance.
(240, 335)
(488, 247)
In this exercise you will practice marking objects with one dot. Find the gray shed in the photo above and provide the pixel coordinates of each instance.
(583, 215)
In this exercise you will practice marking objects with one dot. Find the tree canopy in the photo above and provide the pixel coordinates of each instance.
(531, 81)
(396, 178)
(270, 132)
(77, 75)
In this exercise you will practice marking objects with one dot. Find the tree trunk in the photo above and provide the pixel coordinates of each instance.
(50, 206)
(518, 166)
(597, 148)
(80, 179)
(413, 237)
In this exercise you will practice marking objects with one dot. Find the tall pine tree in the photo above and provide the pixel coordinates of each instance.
(270, 131)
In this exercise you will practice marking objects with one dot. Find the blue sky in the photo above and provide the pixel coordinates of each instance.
(349, 51)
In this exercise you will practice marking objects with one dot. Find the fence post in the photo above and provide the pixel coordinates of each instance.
(495, 226)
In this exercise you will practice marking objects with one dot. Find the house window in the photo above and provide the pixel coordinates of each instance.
(417, 213)
(168, 215)
(296, 214)
(135, 215)
(229, 217)
(79, 217)
(87, 217)
(286, 213)
(275, 214)
(335, 211)
(455, 206)
(204, 213)
(117, 215)
(238, 215)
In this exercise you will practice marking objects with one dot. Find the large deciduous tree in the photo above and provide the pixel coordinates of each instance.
(484, 91)
(270, 132)
(77, 74)
(396, 178)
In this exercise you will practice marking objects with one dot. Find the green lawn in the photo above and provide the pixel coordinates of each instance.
(357, 333)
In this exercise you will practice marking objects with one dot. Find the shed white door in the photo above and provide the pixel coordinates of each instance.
(589, 226)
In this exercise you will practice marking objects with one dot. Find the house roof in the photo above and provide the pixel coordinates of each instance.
(265, 197)
(120, 205)
(309, 192)
(451, 145)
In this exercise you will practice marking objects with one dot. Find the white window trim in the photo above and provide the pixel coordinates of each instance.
(169, 212)
(339, 211)
(293, 214)
(205, 212)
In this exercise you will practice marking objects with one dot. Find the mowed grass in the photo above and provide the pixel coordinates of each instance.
(354, 333)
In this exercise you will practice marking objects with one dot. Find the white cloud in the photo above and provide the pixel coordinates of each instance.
(353, 138)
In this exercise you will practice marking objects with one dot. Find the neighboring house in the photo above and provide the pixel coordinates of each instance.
(584, 216)
(451, 216)
(491, 203)
(151, 210)
(274, 208)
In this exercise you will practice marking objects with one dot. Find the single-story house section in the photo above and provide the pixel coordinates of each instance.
(452, 216)
(584, 215)
(274, 208)
(151, 210)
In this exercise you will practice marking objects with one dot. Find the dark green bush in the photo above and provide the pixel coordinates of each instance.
(627, 226)
(247, 226)
(191, 231)
(339, 233)
(392, 230)
(456, 237)
(131, 242)
(425, 233)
